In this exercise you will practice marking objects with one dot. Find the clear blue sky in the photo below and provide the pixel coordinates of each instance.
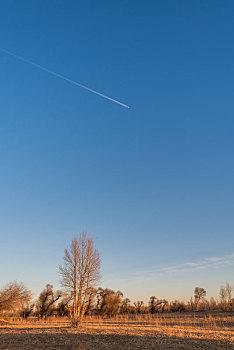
(153, 185)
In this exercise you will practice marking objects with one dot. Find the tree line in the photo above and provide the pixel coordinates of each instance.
(80, 296)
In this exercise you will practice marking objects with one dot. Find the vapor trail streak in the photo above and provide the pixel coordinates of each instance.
(62, 77)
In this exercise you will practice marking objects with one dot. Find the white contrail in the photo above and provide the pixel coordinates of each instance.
(62, 77)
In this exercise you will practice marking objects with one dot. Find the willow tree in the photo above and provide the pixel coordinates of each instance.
(80, 273)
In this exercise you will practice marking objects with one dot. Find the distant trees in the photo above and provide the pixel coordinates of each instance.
(139, 306)
(199, 295)
(177, 306)
(14, 297)
(212, 304)
(157, 305)
(126, 306)
(152, 304)
(47, 300)
(225, 296)
(80, 273)
(108, 302)
(63, 308)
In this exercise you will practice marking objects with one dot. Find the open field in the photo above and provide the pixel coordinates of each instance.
(170, 331)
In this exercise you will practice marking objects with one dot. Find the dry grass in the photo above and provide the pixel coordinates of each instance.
(170, 331)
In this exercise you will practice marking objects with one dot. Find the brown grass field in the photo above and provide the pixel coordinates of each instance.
(169, 331)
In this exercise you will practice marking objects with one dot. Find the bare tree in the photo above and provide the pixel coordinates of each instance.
(126, 305)
(26, 311)
(139, 305)
(229, 290)
(157, 305)
(152, 304)
(80, 273)
(225, 295)
(47, 300)
(199, 295)
(14, 297)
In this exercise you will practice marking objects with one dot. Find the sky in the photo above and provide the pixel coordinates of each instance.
(153, 184)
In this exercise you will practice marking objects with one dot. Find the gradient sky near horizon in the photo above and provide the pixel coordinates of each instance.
(153, 185)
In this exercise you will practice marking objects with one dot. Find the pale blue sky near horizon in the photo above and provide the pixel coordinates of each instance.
(153, 184)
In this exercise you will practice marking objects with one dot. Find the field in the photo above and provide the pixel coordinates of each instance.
(169, 331)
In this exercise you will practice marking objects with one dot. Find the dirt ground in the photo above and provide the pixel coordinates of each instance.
(175, 333)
